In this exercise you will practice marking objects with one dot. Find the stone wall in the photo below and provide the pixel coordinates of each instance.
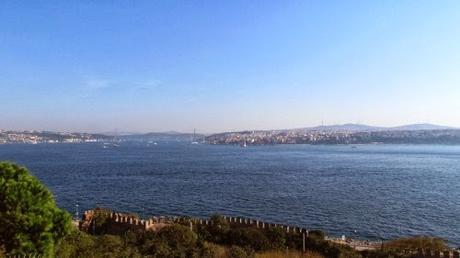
(437, 254)
(121, 222)
(240, 221)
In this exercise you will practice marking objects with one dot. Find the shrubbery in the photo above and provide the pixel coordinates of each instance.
(239, 252)
(407, 247)
(261, 240)
(233, 242)
(80, 244)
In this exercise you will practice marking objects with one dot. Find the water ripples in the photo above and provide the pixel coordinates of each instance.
(381, 191)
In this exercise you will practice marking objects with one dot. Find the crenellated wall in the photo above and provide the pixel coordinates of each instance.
(437, 254)
(126, 221)
(121, 222)
(253, 223)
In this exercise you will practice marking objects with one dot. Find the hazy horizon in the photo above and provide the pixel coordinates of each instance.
(118, 131)
(227, 66)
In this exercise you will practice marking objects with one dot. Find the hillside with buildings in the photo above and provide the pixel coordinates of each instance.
(343, 134)
(35, 137)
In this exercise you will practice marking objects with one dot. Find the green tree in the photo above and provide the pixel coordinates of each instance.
(99, 224)
(76, 244)
(414, 243)
(249, 237)
(239, 252)
(218, 229)
(79, 244)
(30, 221)
(277, 238)
(112, 246)
(171, 241)
(404, 247)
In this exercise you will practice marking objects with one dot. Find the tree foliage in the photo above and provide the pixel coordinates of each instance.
(30, 221)
(238, 252)
(80, 244)
(249, 237)
(218, 229)
(277, 237)
(414, 243)
(172, 241)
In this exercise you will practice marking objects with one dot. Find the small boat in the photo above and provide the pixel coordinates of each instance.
(194, 141)
(149, 143)
(110, 145)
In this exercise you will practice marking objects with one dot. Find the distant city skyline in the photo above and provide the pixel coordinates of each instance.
(326, 127)
(142, 66)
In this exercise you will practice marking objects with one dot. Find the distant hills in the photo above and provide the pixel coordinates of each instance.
(329, 134)
(324, 128)
(368, 128)
(162, 137)
(420, 127)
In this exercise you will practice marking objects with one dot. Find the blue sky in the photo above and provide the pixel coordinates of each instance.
(142, 66)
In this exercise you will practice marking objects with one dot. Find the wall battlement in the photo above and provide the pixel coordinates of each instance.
(120, 222)
(154, 223)
(437, 254)
(240, 221)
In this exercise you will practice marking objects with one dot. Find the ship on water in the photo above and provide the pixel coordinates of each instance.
(110, 145)
(194, 141)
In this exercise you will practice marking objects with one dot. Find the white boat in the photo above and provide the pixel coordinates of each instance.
(110, 145)
(194, 138)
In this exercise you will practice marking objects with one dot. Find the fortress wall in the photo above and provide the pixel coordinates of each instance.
(239, 221)
(123, 221)
(120, 222)
(437, 254)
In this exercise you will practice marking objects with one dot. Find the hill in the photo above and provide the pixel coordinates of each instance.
(369, 128)
(163, 136)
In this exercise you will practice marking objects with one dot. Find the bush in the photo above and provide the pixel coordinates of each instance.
(218, 229)
(76, 243)
(415, 243)
(317, 234)
(329, 249)
(211, 250)
(171, 241)
(249, 237)
(30, 221)
(277, 238)
(80, 244)
(405, 247)
(238, 252)
(290, 254)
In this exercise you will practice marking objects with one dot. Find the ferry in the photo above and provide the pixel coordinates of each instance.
(194, 138)
(110, 145)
